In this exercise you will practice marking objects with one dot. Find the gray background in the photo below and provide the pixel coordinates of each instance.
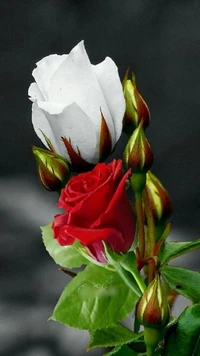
(160, 42)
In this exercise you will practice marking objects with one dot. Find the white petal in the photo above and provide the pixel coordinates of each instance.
(51, 108)
(71, 123)
(46, 67)
(75, 81)
(109, 81)
(35, 93)
(41, 124)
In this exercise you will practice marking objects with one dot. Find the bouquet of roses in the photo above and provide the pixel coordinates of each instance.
(114, 223)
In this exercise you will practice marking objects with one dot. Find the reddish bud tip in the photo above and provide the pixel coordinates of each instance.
(159, 200)
(153, 308)
(138, 154)
(137, 110)
(52, 169)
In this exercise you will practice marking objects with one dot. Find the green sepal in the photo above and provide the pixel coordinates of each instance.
(135, 241)
(183, 338)
(136, 325)
(96, 298)
(183, 281)
(130, 264)
(162, 230)
(115, 335)
(171, 250)
(127, 274)
(64, 256)
(87, 257)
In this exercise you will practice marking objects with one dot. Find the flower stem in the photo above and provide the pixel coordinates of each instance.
(140, 217)
(150, 223)
(151, 338)
(150, 242)
(151, 271)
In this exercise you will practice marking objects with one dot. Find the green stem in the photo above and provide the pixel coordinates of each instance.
(150, 243)
(151, 271)
(150, 223)
(151, 338)
(140, 217)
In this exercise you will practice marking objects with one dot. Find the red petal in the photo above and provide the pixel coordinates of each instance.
(89, 236)
(119, 215)
(59, 230)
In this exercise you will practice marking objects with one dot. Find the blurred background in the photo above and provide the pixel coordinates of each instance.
(160, 41)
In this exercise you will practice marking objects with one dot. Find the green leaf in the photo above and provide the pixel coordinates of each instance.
(184, 281)
(131, 277)
(172, 250)
(130, 264)
(65, 256)
(172, 321)
(96, 298)
(114, 335)
(138, 346)
(121, 351)
(183, 338)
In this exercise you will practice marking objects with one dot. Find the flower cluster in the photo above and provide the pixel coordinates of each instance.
(114, 218)
(96, 205)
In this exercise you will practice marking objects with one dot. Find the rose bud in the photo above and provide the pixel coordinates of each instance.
(153, 309)
(153, 312)
(78, 106)
(96, 209)
(136, 109)
(138, 154)
(159, 200)
(52, 169)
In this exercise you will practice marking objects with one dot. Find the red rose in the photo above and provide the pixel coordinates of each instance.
(96, 209)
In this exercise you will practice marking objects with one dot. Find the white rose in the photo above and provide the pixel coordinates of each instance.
(70, 96)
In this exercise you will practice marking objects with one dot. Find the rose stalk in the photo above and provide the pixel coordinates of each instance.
(77, 112)
(138, 156)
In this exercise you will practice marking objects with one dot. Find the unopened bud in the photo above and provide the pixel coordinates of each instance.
(153, 308)
(52, 169)
(159, 200)
(138, 154)
(136, 109)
